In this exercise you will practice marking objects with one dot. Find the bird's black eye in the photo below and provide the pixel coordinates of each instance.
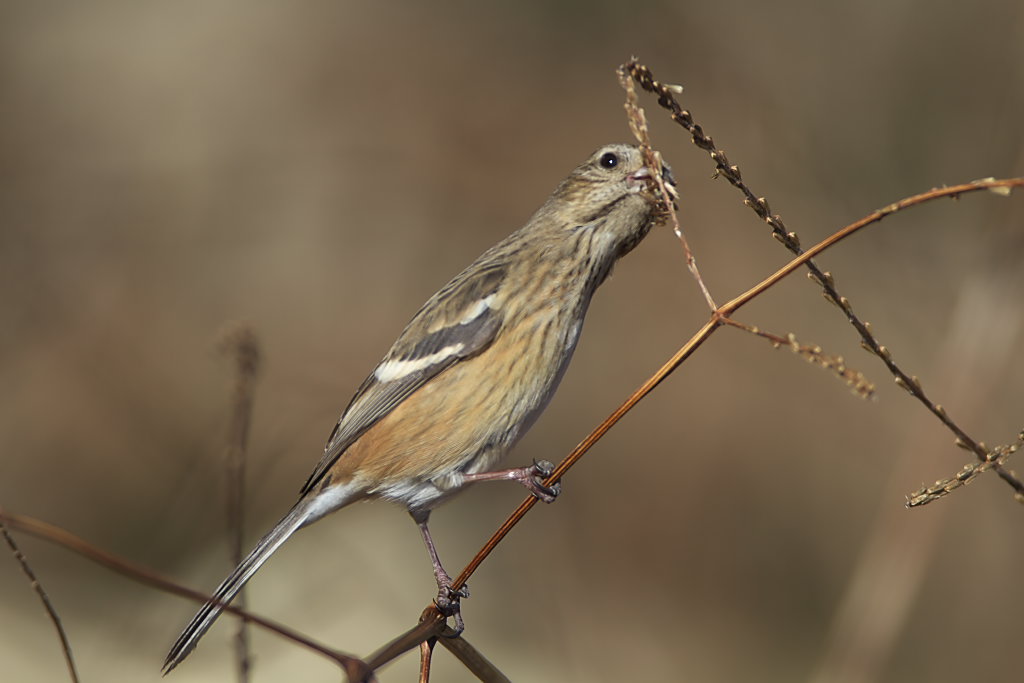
(609, 160)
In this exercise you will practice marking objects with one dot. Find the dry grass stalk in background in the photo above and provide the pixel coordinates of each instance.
(65, 645)
(239, 342)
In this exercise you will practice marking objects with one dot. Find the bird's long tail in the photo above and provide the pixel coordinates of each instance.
(304, 512)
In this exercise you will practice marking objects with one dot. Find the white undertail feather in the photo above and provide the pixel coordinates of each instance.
(306, 511)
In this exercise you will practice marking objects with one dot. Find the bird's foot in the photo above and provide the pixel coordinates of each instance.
(533, 479)
(449, 603)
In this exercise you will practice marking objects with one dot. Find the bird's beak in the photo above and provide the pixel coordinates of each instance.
(638, 179)
(643, 177)
(643, 173)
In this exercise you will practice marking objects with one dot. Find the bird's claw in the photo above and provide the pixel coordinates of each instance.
(448, 602)
(540, 471)
(543, 468)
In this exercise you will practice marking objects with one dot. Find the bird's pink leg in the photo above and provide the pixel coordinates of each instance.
(447, 599)
(530, 477)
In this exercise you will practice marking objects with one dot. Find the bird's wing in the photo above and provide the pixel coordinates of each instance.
(458, 322)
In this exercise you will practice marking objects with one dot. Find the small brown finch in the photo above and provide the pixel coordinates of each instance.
(474, 368)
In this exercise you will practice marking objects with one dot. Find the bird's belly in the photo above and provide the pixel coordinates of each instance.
(462, 422)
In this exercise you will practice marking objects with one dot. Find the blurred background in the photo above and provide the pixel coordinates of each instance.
(318, 169)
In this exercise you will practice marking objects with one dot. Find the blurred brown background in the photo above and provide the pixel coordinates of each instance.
(318, 169)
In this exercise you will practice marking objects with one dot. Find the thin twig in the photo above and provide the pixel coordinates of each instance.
(426, 653)
(666, 99)
(240, 342)
(858, 383)
(472, 658)
(667, 194)
(718, 318)
(65, 644)
(997, 456)
(431, 625)
(356, 669)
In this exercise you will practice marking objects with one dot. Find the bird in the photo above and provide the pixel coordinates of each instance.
(473, 369)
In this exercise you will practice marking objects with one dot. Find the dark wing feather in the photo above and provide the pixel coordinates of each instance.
(375, 398)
